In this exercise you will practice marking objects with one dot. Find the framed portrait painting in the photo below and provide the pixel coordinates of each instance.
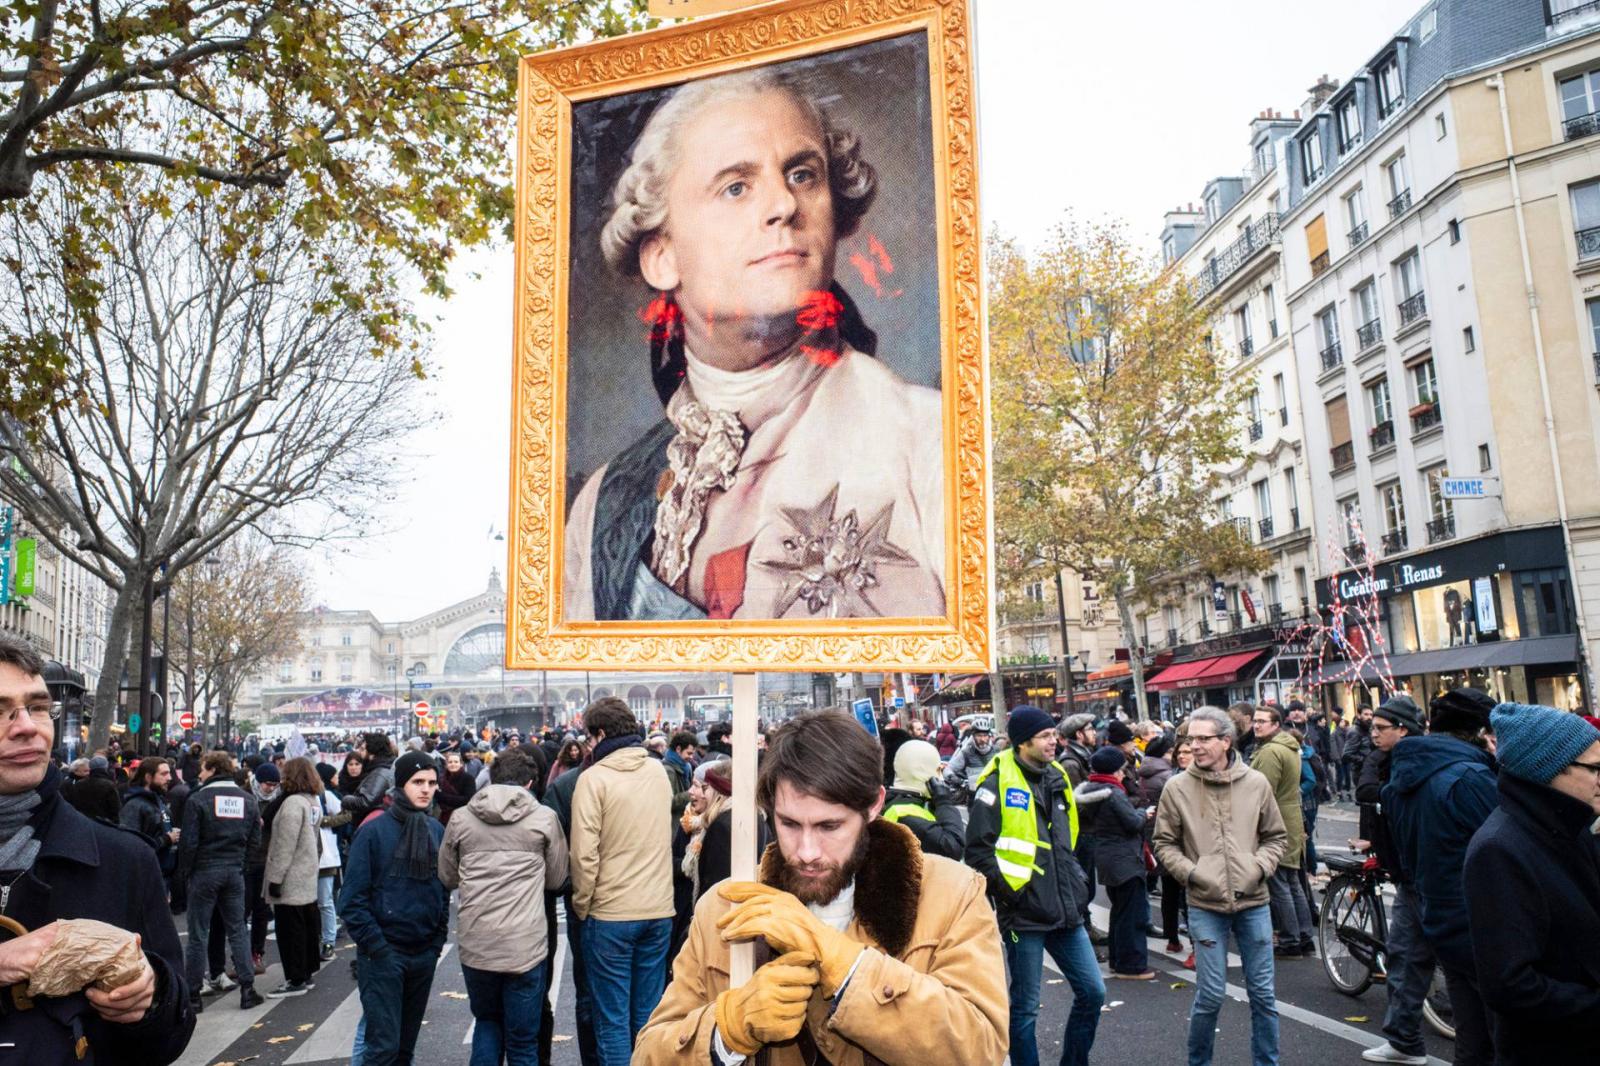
(749, 395)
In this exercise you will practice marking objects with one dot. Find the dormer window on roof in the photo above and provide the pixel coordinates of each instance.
(1391, 90)
(1348, 111)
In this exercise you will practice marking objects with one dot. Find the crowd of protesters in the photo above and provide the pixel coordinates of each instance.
(1484, 815)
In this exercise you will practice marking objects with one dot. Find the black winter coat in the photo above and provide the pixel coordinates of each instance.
(96, 796)
(1118, 832)
(1054, 899)
(1532, 883)
(87, 869)
(946, 835)
(1358, 746)
(221, 825)
(147, 814)
(1374, 774)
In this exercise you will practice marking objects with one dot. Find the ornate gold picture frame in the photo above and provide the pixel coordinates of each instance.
(585, 115)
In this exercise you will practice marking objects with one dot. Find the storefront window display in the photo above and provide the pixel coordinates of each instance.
(1445, 615)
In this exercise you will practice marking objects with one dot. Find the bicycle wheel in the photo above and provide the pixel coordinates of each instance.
(1348, 934)
(1436, 1007)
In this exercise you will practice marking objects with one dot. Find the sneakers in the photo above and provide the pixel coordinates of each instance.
(256, 964)
(249, 997)
(1173, 947)
(1148, 975)
(327, 953)
(1289, 951)
(1188, 964)
(213, 986)
(1386, 1052)
(287, 989)
(1308, 948)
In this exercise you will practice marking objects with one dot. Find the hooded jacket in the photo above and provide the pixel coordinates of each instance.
(1219, 834)
(503, 851)
(1054, 899)
(1533, 891)
(622, 839)
(1440, 791)
(1117, 829)
(1278, 759)
(929, 987)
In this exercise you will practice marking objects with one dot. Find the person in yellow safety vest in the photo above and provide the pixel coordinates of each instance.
(923, 803)
(1020, 832)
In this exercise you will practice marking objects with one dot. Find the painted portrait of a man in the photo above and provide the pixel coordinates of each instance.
(787, 467)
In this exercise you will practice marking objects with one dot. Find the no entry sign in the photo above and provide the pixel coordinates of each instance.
(421, 709)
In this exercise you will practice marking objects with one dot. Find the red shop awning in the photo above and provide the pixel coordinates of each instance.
(1205, 673)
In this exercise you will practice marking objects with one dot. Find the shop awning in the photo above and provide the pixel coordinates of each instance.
(1498, 654)
(1205, 673)
(960, 690)
(1104, 680)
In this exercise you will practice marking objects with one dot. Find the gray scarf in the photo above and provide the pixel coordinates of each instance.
(18, 848)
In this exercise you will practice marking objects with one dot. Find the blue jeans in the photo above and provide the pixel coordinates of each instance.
(1252, 930)
(582, 1002)
(1074, 955)
(507, 1009)
(1291, 910)
(330, 918)
(394, 989)
(626, 963)
(1410, 961)
(358, 1048)
(214, 891)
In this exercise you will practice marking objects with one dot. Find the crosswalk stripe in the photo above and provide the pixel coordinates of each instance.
(223, 1023)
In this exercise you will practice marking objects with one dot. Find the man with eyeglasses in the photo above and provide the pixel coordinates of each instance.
(1277, 757)
(1533, 887)
(56, 864)
(1219, 834)
(1409, 958)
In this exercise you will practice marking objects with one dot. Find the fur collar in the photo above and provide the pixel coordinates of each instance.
(888, 886)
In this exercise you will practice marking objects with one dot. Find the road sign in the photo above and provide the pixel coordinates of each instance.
(421, 709)
(864, 715)
(1468, 488)
(186, 720)
(899, 703)
(134, 722)
(422, 684)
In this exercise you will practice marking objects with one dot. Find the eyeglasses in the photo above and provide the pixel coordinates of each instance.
(1592, 767)
(43, 714)
(1382, 727)
(1203, 738)
(1261, 721)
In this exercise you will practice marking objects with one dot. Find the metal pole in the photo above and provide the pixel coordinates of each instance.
(166, 656)
(144, 667)
(1066, 650)
(742, 860)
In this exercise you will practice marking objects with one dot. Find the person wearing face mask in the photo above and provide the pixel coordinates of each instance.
(963, 771)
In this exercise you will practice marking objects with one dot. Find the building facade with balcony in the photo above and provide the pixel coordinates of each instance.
(1232, 251)
(1029, 638)
(1425, 355)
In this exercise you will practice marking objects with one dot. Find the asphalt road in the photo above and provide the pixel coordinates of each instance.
(1142, 1022)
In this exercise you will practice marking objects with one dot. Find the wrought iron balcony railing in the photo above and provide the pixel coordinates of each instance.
(1247, 348)
(1256, 431)
(1381, 435)
(1575, 11)
(1241, 525)
(1369, 334)
(1400, 204)
(1359, 235)
(1357, 551)
(1588, 242)
(1394, 542)
(1227, 262)
(1413, 308)
(1294, 518)
(1343, 455)
(1426, 418)
(1265, 526)
(1581, 125)
(1332, 356)
(1442, 529)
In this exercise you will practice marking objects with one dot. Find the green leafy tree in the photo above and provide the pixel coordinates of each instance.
(391, 123)
(1112, 420)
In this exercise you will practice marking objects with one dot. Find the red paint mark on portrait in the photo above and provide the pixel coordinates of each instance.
(664, 318)
(819, 311)
(875, 265)
(824, 357)
(725, 573)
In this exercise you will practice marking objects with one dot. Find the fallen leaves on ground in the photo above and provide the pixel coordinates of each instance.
(452, 995)
(279, 1039)
(306, 1028)
(1356, 1018)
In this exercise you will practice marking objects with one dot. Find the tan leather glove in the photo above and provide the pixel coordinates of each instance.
(770, 1007)
(783, 921)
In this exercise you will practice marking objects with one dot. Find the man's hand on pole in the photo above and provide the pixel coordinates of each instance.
(769, 1008)
(785, 923)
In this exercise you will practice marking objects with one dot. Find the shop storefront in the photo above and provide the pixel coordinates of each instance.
(1261, 665)
(1103, 692)
(1495, 613)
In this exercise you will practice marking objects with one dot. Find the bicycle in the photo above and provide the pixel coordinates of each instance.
(1352, 932)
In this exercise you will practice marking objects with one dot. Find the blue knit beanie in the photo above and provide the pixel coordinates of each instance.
(1025, 722)
(1536, 743)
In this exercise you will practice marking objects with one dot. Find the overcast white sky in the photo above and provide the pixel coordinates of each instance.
(1104, 110)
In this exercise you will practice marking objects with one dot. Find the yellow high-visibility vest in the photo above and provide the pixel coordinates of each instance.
(1018, 845)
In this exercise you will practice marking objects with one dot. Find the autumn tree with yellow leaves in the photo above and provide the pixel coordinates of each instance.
(1112, 422)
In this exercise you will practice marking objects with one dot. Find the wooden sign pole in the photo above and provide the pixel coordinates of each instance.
(746, 710)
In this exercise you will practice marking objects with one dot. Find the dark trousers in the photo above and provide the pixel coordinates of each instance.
(299, 940)
(394, 989)
(1130, 913)
(256, 908)
(210, 891)
(508, 1019)
(217, 944)
(547, 1017)
(1473, 1020)
(582, 1002)
(1173, 906)
(1085, 855)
